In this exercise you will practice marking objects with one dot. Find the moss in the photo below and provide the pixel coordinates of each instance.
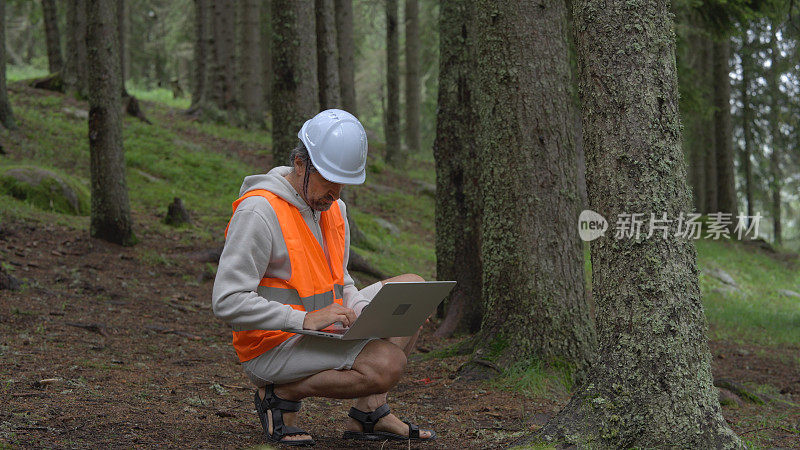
(47, 189)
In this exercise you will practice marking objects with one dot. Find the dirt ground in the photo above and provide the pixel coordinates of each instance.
(116, 347)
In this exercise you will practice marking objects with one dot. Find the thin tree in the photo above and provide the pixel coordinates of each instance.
(327, 58)
(266, 52)
(110, 216)
(457, 197)
(75, 64)
(723, 135)
(711, 194)
(650, 385)
(122, 20)
(412, 76)
(346, 48)
(55, 62)
(6, 115)
(746, 56)
(534, 290)
(223, 51)
(294, 59)
(252, 77)
(201, 51)
(776, 180)
(394, 153)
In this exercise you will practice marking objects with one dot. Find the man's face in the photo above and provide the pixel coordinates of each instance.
(321, 193)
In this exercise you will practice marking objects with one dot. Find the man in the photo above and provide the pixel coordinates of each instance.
(284, 266)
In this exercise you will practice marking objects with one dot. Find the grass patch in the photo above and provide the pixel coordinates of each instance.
(535, 378)
(17, 73)
(160, 95)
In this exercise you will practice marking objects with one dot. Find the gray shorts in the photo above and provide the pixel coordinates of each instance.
(301, 356)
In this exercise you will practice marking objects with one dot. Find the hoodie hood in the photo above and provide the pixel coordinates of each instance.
(275, 182)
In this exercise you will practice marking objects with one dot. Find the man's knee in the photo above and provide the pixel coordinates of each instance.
(407, 277)
(385, 366)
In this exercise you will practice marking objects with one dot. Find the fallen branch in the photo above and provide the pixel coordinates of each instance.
(739, 390)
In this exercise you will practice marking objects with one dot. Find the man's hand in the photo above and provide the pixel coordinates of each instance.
(334, 312)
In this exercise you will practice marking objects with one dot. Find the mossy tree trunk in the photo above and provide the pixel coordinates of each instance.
(534, 289)
(327, 60)
(55, 62)
(394, 153)
(294, 60)
(346, 48)
(6, 115)
(457, 190)
(412, 76)
(651, 384)
(110, 216)
(723, 135)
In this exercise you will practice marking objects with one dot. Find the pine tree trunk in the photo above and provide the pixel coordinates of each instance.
(709, 143)
(394, 153)
(534, 290)
(121, 35)
(110, 217)
(75, 64)
(55, 62)
(345, 45)
(6, 115)
(776, 180)
(412, 76)
(327, 59)
(222, 86)
(650, 385)
(252, 77)
(726, 193)
(200, 75)
(747, 123)
(457, 197)
(695, 121)
(294, 59)
(266, 52)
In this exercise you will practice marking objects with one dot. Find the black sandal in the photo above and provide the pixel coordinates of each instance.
(277, 406)
(368, 421)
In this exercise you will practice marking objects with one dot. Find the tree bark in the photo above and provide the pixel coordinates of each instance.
(346, 48)
(327, 59)
(696, 118)
(394, 153)
(55, 63)
(75, 64)
(412, 77)
(747, 123)
(223, 90)
(709, 143)
(110, 216)
(252, 77)
(121, 35)
(457, 197)
(266, 52)
(6, 115)
(726, 181)
(776, 180)
(534, 290)
(650, 385)
(294, 59)
(201, 51)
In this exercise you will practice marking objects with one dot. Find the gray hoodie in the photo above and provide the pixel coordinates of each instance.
(254, 249)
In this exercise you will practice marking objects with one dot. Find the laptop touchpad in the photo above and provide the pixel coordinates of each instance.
(401, 309)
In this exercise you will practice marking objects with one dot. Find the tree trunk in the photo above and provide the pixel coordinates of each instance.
(709, 143)
(294, 59)
(776, 180)
(55, 63)
(222, 86)
(75, 64)
(726, 181)
(252, 77)
(412, 77)
(111, 217)
(747, 123)
(266, 52)
(327, 60)
(394, 153)
(457, 197)
(6, 115)
(650, 384)
(199, 87)
(346, 47)
(696, 117)
(122, 36)
(534, 290)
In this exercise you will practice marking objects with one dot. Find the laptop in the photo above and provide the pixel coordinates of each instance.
(398, 309)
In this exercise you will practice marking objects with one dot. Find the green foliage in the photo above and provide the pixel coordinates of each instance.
(534, 378)
(17, 73)
(47, 189)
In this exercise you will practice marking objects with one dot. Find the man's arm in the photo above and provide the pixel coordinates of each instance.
(243, 262)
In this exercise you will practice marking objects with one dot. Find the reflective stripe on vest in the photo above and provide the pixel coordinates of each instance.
(314, 283)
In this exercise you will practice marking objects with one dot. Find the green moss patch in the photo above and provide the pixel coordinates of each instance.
(47, 189)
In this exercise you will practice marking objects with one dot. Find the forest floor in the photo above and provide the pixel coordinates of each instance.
(108, 346)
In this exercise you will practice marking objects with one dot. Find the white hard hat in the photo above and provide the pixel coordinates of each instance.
(337, 144)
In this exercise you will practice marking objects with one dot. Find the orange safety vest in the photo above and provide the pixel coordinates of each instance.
(314, 284)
